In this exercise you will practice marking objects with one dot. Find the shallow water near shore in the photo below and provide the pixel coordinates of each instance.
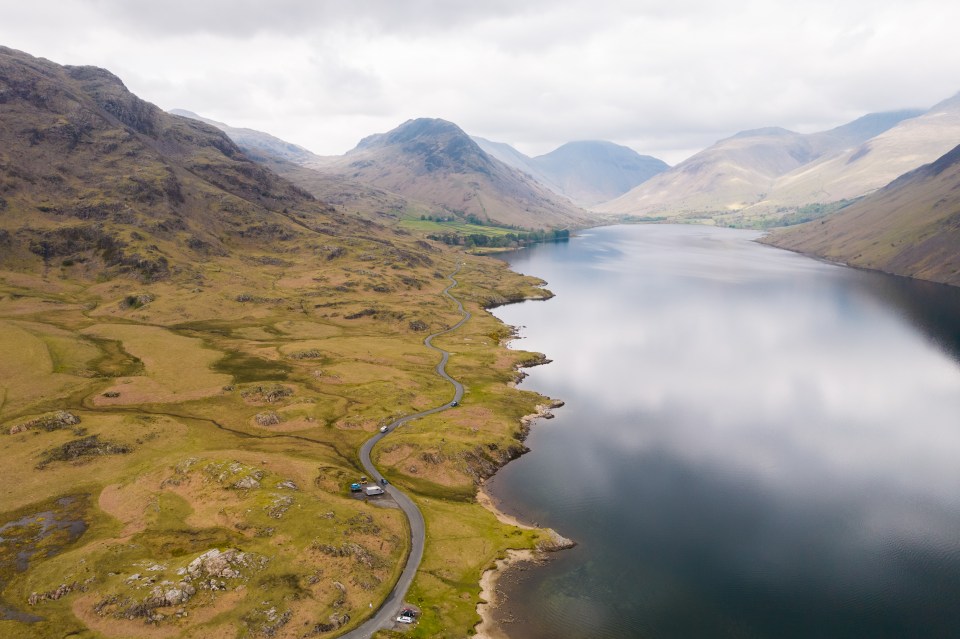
(754, 443)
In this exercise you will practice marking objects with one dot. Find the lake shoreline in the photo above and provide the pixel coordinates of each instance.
(489, 626)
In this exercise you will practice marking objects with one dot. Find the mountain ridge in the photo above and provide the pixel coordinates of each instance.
(424, 166)
(436, 162)
(910, 227)
(741, 176)
(91, 170)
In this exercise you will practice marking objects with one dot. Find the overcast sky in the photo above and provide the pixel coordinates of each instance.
(666, 78)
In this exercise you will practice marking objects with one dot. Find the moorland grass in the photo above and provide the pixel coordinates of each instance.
(369, 371)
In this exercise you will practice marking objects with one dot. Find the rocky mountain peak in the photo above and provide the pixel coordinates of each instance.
(439, 144)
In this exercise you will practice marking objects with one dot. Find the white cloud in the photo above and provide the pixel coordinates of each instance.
(664, 78)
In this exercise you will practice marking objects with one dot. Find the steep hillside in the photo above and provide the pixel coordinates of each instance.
(739, 173)
(910, 227)
(97, 181)
(435, 162)
(587, 172)
(865, 167)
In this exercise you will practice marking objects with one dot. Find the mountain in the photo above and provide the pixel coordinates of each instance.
(433, 161)
(96, 179)
(588, 172)
(297, 164)
(910, 227)
(512, 157)
(740, 172)
(867, 166)
(258, 145)
(730, 175)
(424, 166)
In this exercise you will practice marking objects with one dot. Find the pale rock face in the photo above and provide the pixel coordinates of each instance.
(247, 483)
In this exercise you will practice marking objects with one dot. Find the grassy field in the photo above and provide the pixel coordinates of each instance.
(227, 417)
(463, 228)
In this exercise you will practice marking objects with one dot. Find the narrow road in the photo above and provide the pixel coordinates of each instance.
(388, 611)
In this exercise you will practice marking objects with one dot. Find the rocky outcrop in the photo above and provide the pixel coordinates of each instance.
(61, 591)
(83, 449)
(554, 542)
(268, 418)
(55, 421)
(213, 570)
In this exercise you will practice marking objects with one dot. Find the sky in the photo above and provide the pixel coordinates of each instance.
(666, 78)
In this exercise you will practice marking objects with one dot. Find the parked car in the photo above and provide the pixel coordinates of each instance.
(405, 619)
(355, 488)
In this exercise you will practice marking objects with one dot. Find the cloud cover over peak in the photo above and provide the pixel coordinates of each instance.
(666, 79)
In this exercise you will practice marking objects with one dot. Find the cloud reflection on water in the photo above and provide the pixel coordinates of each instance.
(774, 437)
(745, 364)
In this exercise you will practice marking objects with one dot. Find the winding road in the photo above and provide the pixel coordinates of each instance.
(388, 611)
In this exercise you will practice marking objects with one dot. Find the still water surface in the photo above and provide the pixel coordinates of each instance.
(755, 444)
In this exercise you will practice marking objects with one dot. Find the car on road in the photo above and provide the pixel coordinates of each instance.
(454, 403)
(383, 429)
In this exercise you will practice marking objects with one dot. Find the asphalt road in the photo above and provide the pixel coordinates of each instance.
(385, 615)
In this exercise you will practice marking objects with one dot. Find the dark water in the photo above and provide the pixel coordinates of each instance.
(41, 531)
(755, 444)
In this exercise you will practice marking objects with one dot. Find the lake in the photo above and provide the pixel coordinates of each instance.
(754, 443)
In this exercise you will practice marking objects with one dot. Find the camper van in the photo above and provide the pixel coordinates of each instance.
(373, 490)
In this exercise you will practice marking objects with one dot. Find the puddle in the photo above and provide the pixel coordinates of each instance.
(42, 533)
